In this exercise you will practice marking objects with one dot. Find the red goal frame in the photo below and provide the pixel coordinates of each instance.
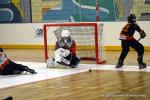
(94, 24)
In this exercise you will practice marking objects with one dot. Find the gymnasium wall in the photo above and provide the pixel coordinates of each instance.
(41, 11)
(25, 35)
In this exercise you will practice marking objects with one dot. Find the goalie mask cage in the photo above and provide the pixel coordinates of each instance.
(88, 37)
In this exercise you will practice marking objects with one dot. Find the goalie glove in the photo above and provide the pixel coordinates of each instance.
(142, 34)
(62, 52)
(66, 53)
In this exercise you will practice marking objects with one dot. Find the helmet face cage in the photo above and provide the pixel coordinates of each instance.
(65, 35)
(131, 18)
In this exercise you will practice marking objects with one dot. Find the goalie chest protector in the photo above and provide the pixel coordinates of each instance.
(65, 45)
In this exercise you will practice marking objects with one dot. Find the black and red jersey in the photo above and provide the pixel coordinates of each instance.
(128, 31)
(3, 60)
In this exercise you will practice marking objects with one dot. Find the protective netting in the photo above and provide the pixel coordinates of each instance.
(88, 39)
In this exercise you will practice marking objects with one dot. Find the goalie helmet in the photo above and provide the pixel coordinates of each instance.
(65, 33)
(131, 18)
(65, 36)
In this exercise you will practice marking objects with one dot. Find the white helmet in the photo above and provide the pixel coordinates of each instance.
(65, 33)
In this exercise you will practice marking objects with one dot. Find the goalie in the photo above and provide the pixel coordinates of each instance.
(65, 50)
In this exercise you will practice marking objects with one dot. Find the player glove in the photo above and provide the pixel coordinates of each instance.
(142, 34)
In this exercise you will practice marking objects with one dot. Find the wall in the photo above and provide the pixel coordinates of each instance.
(24, 35)
(112, 30)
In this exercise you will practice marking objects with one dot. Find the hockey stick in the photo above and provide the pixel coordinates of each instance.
(139, 39)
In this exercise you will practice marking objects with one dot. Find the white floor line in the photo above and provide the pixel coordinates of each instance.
(44, 73)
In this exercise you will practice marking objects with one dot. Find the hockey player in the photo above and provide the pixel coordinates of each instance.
(8, 67)
(127, 40)
(65, 50)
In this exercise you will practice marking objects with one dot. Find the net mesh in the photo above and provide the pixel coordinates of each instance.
(84, 36)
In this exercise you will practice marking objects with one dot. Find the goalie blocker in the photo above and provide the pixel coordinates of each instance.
(70, 60)
(65, 57)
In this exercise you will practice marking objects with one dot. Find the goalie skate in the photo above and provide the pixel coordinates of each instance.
(59, 65)
(63, 64)
(50, 63)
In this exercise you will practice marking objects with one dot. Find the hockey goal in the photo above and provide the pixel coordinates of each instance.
(88, 37)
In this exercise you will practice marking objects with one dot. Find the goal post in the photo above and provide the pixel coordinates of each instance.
(88, 37)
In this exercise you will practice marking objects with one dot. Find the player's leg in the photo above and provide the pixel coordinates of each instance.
(64, 57)
(61, 59)
(66, 60)
(124, 52)
(74, 61)
(70, 60)
(19, 68)
(139, 48)
(10, 69)
(7, 70)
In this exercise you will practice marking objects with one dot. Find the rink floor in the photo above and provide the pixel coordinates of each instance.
(44, 73)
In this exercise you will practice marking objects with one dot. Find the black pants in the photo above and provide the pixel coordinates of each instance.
(138, 47)
(13, 68)
(74, 60)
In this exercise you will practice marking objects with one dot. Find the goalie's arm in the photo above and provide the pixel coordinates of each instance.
(57, 45)
(72, 49)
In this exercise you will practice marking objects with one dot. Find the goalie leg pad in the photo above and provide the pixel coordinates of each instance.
(57, 58)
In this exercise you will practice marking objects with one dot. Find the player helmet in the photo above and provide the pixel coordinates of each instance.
(65, 33)
(65, 36)
(131, 18)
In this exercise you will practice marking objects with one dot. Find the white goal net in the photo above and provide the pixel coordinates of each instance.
(88, 37)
